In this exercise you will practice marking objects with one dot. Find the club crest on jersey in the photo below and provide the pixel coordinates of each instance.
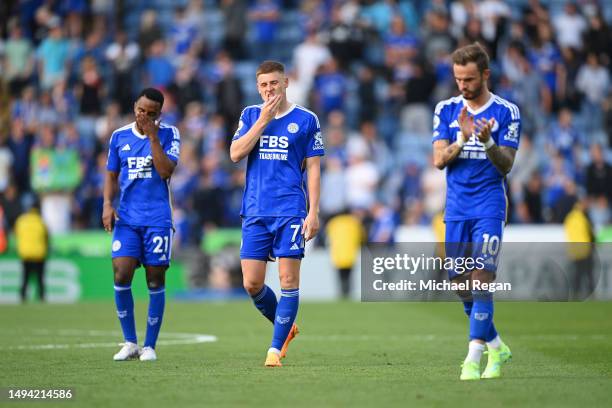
(495, 127)
(293, 127)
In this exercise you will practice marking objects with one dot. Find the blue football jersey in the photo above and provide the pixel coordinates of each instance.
(475, 188)
(144, 198)
(275, 178)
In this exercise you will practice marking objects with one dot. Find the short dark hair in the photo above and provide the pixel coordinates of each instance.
(152, 94)
(270, 66)
(472, 53)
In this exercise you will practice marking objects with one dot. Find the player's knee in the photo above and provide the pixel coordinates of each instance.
(289, 280)
(156, 283)
(252, 287)
(483, 276)
(156, 279)
(122, 275)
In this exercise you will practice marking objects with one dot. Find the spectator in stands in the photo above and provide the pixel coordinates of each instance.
(150, 31)
(308, 57)
(159, 69)
(228, 93)
(123, 56)
(593, 80)
(265, 16)
(186, 87)
(182, 35)
(235, 26)
(419, 88)
(530, 209)
(570, 26)
(564, 137)
(53, 55)
(599, 186)
(6, 161)
(330, 89)
(18, 59)
(362, 178)
(598, 36)
(20, 142)
(333, 189)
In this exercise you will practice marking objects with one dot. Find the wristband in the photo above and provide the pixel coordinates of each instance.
(460, 141)
(489, 143)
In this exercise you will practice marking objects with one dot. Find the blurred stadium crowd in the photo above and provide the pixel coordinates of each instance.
(372, 70)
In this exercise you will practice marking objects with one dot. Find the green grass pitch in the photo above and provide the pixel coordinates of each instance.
(348, 354)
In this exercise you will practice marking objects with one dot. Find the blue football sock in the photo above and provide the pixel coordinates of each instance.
(157, 300)
(125, 311)
(285, 316)
(492, 331)
(481, 317)
(467, 307)
(265, 301)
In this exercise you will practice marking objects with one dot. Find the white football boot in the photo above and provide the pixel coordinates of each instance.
(127, 352)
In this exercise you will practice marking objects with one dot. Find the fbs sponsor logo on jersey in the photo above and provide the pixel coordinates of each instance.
(473, 148)
(140, 167)
(273, 147)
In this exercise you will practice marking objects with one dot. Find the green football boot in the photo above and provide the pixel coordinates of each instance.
(495, 361)
(470, 371)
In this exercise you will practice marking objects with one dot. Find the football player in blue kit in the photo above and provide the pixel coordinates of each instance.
(280, 206)
(475, 137)
(141, 158)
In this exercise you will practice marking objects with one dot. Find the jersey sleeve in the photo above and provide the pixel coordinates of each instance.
(440, 123)
(510, 128)
(244, 124)
(113, 162)
(172, 145)
(315, 146)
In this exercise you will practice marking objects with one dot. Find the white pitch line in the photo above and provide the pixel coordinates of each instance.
(166, 339)
(426, 337)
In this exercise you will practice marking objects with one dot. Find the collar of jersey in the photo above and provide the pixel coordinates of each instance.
(136, 133)
(483, 107)
(292, 107)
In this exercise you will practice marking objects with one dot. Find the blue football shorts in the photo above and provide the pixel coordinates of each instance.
(152, 246)
(478, 239)
(267, 238)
